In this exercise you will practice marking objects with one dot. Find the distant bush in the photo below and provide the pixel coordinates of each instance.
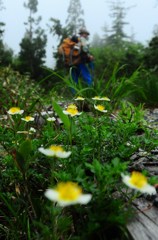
(106, 57)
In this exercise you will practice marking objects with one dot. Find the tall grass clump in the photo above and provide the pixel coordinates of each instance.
(64, 170)
(117, 86)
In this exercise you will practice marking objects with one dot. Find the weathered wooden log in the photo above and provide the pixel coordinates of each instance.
(144, 225)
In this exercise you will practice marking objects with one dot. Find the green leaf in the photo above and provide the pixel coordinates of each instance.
(25, 148)
(23, 154)
(8, 204)
(116, 162)
(20, 162)
(90, 166)
(97, 167)
(64, 118)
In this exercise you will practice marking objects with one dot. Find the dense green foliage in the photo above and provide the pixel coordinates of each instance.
(100, 143)
(151, 54)
(131, 55)
(115, 47)
(6, 55)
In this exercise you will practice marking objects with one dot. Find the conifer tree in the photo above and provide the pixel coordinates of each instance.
(73, 23)
(117, 35)
(75, 19)
(151, 52)
(32, 47)
(2, 24)
(6, 54)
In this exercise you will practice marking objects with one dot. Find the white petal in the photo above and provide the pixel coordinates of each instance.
(66, 203)
(50, 112)
(126, 180)
(51, 119)
(105, 98)
(51, 195)
(76, 114)
(148, 189)
(63, 154)
(79, 113)
(79, 99)
(32, 129)
(65, 112)
(43, 113)
(96, 98)
(21, 111)
(84, 198)
(47, 152)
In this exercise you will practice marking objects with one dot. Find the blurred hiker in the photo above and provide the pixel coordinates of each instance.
(76, 56)
(70, 50)
(83, 68)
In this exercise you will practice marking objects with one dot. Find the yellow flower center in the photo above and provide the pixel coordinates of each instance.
(56, 148)
(68, 191)
(138, 180)
(72, 111)
(28, 118)
(14, 109)
(100, 107)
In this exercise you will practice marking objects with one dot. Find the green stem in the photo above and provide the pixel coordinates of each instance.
(70, 132)
(29, 197)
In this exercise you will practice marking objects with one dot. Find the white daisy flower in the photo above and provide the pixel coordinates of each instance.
(105, 99)
(101, 98)
(72, 110)
(28, 119)
(138, 182)
(100, 108)
(79, 98)
(55, 151)
(15, 110)
(67, 193)
(32, 130)
(51, 119)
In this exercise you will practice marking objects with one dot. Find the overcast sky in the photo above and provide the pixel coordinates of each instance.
(142, 18)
